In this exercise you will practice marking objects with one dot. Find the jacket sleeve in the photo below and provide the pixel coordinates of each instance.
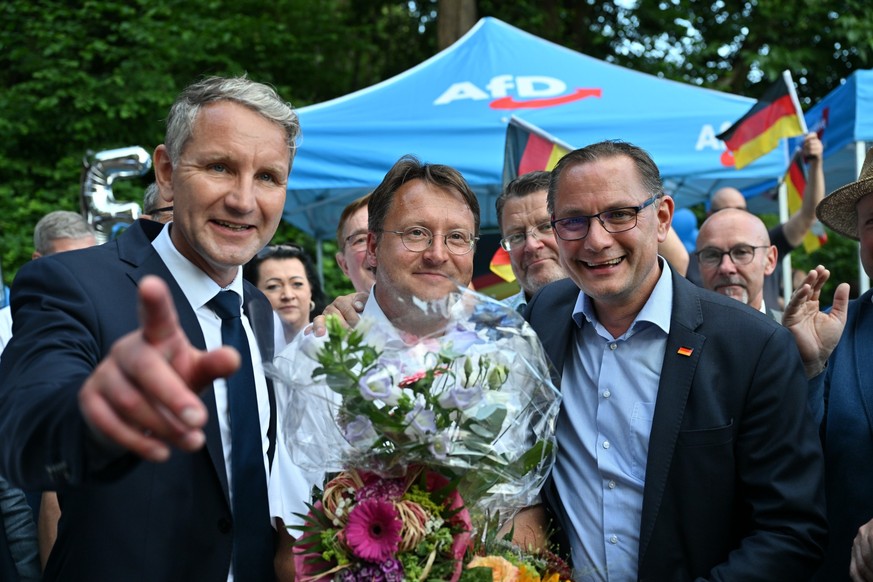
(58, 340)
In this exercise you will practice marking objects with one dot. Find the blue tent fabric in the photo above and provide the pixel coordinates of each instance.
(454, 108)
(845, 118)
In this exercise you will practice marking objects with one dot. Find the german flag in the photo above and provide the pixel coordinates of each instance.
(776, 115)
(501, 266)
(795, 183)
(528, 149)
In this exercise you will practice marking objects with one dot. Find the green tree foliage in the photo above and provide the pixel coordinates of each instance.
(101, 74)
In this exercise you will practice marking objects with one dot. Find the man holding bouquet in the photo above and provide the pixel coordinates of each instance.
(686, 450)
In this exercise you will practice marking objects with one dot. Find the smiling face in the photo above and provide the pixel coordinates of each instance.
(227, 188)
(352, 257)
(284, 283)
(617, 271)
(725, 230)
(535, 263)
(432, 274)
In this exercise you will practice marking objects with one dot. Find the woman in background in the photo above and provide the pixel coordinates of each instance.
(286, 275)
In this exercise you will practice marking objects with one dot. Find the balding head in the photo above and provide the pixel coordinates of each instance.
(726, 198)
(745, 236)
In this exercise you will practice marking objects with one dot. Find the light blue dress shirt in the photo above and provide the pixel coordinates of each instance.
(609, 390)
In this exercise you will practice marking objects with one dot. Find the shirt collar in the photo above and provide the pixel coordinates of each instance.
(197, 286)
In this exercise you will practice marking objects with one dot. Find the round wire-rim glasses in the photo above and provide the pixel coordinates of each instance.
(516, 239)
(418, 239)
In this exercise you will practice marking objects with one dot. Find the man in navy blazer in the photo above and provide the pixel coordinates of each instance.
(685, 447)
(835, 347)
(127, 417)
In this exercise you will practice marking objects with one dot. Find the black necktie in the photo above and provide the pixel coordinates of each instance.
(251, 512)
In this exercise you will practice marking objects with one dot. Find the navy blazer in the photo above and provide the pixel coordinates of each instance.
(733, 487)
(122, 519)
(843, 396)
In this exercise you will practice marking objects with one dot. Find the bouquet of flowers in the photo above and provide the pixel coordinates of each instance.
(429, 435)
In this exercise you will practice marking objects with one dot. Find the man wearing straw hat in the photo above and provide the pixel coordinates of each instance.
(834, 347)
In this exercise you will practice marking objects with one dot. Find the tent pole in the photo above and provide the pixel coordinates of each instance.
(787, 279)
(319, 260)
(863, 279)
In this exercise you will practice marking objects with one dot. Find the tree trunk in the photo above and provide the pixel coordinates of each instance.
(456, 17)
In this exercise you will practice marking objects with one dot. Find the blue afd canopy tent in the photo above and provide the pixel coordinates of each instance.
(845, 119)
(454, 108)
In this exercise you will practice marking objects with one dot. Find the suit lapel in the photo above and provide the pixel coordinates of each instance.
(862, 336)
(555, 325)
(682, 355)
(135, 248)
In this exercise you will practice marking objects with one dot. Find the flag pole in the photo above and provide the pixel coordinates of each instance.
(786, 74)
(787, 278)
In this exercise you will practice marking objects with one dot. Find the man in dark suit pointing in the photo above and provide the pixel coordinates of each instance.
(685, 447)
(88, 389)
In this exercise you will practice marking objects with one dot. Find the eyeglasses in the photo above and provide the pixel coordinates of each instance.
(740, 255)
(418, 239)
(159, 210)
(271, 250)
(613, 221)
(357, 241)
(516, 240)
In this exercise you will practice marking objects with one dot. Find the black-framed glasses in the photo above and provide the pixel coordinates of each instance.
(418, 239)
(160, 210)
(271, 250)
(358, 241)
(516, 239)
(739, 254)
(613, 221)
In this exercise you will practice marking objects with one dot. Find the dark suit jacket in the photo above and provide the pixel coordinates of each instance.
(844, 394)
(734, 476)
(121, 519)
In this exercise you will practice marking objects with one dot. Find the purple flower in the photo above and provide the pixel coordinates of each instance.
(370, 574)
(461, 397)
(392, 569)
(461, 340)
(382, 488)
(421, 422)
(378, 384)
(360, 432)
(441, 446)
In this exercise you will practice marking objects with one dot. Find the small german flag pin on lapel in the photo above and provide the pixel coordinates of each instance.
(683, 351)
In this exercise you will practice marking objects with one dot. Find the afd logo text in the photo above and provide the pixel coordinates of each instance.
(534, 91)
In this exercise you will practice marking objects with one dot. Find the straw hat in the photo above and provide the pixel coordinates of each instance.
(837, 210)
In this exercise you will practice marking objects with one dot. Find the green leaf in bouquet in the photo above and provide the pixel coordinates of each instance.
(531, 458)
(475, 484)
(480, 574)
(488, 422)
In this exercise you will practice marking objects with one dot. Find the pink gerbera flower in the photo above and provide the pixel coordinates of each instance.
(373, 530)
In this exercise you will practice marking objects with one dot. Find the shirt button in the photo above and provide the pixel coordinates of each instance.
(611, 484)
(607, 393)
(613, 346)
(605, 444)
(613, 539)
